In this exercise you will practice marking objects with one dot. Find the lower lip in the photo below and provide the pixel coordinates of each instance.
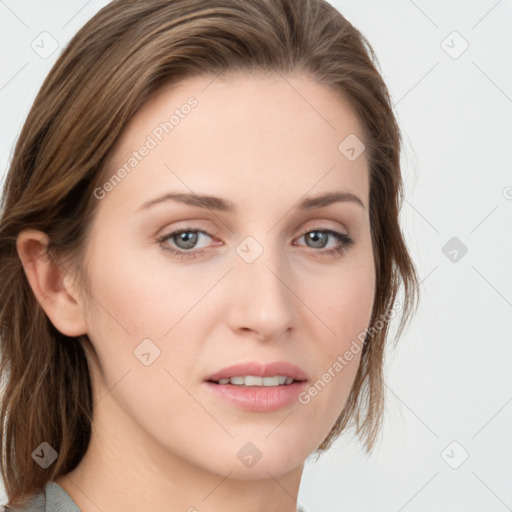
(258, 398)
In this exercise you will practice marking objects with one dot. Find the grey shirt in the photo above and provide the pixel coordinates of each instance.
(52, 499)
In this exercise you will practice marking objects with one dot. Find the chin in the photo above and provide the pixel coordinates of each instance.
(255, 459)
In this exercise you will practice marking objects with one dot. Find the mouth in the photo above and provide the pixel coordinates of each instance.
(254, 380)
(254, 373)
(258, 387)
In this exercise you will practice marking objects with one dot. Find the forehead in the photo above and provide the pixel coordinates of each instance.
(242, 134)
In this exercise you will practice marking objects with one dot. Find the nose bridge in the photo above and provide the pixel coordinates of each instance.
(263, 301)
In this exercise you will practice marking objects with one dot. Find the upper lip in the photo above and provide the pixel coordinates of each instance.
(259, 370)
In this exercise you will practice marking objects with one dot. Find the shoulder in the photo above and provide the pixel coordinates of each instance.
(36, 503)
(52, 499)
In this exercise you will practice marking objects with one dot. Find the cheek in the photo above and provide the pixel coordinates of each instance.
(143, 305)
(345, 311)
(135, 304)
(345, 305)
(140, 294)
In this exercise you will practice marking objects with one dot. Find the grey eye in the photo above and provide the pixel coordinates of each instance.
(186, 239)
(318, 238)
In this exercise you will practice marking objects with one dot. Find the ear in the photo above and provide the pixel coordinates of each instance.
(50, 284)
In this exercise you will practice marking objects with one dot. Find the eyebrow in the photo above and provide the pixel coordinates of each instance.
(224, 205)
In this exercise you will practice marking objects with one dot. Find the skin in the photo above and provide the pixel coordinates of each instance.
(160, 439)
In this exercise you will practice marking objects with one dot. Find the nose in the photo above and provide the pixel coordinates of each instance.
(262, 301)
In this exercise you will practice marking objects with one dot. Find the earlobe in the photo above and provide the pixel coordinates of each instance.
(50, 283)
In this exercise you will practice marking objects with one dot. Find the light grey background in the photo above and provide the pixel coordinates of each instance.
(449, 380)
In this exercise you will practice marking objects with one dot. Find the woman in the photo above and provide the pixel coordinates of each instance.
(200, 251)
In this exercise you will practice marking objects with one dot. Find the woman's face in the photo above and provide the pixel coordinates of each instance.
(256, 277)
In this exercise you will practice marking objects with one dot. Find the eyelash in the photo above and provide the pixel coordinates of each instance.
(346, 242)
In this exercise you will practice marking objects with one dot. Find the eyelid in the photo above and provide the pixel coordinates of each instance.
(181, 227)
(317, 227)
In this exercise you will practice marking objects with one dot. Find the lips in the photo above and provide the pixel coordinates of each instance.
(258, 369)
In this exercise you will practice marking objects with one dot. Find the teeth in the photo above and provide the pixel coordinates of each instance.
(251, 380)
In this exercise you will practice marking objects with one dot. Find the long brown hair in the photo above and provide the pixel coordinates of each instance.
(112, 66)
